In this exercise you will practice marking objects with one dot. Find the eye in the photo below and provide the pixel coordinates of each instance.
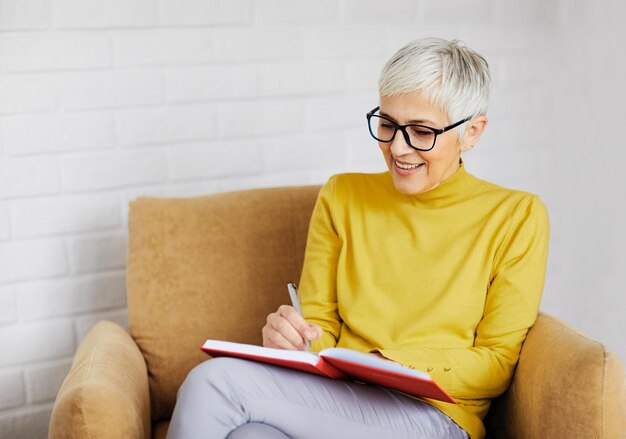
(420, 131)
(387, 125)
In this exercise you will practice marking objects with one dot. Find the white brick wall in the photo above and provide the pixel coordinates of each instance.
(256, 44)
(12, 386)
(287, 12)
(31, 423)
(48, 133)
(213, 159)
(22, 177)
(150, 126)
(99, 252)
(205, 83)
(31, 259)
(43, 381)
(65, 214)
(90, 172)
(163, 47)
(32, 342)
(96, 14)
(4, 223)
(22, 94)
(104, 101)
(38, 300)
(24, 14)
(8, 309)
(198, 12)
(67, 51)
(121, 88)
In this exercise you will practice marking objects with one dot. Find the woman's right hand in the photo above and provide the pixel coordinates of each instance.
(287, 329)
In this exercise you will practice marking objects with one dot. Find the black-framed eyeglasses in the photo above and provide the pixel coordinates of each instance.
(419, 137)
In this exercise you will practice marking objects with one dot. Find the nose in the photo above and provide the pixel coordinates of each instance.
(399, 146)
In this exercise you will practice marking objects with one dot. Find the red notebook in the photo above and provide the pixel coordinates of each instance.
(337, 363)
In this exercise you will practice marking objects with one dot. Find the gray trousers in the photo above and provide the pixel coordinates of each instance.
(235, 399)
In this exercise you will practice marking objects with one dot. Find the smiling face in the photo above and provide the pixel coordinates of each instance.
(439, 163)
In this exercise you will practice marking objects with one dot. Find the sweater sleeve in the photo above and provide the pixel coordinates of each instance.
(485, 369)
(318, 282)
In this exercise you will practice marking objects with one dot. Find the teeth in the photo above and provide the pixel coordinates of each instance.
(402, 166)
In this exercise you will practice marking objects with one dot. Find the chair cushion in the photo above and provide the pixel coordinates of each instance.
(209, 267)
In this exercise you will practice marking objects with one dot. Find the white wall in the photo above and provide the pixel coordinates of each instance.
(582, 63)
(102, 101)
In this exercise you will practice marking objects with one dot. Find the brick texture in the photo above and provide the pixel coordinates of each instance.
(24, 14)
(12, 385)
(105, 101)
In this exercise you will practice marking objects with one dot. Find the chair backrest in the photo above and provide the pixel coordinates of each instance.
(209, 267)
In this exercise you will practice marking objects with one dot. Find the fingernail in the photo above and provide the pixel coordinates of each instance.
(309, 334)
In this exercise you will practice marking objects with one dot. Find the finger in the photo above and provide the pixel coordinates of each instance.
(284, 326)
(275, 332)
(313, 332)
(306, 330)
(274, 339)
(278, 323)
(309, 331)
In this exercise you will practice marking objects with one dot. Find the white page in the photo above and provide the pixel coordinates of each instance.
(286, 354)
(370, 360)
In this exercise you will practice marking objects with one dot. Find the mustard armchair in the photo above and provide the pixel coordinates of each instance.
(215, 266)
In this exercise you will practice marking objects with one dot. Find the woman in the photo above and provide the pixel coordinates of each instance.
(425, 265)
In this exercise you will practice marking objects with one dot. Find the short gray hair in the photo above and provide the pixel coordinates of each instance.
(453, 76)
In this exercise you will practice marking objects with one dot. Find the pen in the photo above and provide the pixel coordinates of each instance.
(293, 294)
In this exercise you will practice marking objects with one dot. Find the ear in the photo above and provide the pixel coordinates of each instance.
(475, 128)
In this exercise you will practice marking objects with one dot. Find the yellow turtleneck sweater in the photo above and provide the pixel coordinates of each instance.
(447, 281)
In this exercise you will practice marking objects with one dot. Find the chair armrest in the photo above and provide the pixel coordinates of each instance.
(106, 392)
(565, 385)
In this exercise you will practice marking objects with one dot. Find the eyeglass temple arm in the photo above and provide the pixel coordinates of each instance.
(373, 111)
(454, 125)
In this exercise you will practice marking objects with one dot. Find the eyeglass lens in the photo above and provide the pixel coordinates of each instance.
(384, 131)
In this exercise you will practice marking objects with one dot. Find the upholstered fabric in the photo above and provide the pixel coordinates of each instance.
(215, 266)
(209, 267)
(566, 385)
(105, 395)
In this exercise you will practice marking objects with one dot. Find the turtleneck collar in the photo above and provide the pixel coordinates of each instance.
(451, 190)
